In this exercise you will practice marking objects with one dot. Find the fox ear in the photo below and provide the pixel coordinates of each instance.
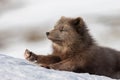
(79, 25)
(76, 21)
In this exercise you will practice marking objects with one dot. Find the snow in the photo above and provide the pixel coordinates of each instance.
(19, 69)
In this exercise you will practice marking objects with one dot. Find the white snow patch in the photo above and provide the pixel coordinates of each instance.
(19, 69)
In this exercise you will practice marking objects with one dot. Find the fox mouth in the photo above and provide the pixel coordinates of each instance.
(54, 39)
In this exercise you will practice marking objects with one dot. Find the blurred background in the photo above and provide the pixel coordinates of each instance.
(23, 23)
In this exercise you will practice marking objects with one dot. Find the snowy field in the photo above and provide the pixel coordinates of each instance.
(20, 18)
(18, 69)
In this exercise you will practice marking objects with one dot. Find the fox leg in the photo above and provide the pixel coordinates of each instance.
(41, 59)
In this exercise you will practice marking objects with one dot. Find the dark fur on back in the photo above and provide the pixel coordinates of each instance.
(75, 50)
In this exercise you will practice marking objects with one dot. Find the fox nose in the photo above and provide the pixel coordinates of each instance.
(47, 33)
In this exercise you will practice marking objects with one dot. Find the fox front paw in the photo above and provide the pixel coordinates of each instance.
(30, 56)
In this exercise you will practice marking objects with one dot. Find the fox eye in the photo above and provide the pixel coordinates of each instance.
(61, 29)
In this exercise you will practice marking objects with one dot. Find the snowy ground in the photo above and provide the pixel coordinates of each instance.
(18, 69)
